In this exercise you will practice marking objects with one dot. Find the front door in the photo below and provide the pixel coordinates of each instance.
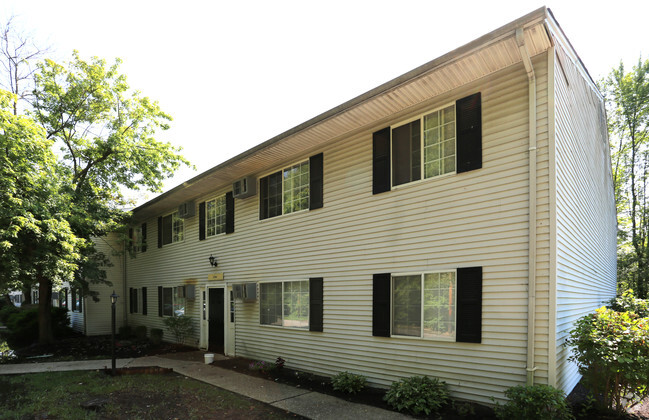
(216, 324)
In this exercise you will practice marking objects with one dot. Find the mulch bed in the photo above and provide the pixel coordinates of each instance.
(369, 396)
(94, 347)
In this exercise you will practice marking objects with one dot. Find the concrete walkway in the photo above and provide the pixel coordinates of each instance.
(306, 403)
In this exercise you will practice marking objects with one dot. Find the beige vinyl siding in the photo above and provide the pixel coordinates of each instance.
(97, 315)
(479, 218)
(585, 208)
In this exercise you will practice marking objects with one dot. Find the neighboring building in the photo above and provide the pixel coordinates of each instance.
(423, 228)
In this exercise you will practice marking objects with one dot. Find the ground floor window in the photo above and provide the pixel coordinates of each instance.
(180, 301)
(284, 304)
(76, 300)
(423, 305)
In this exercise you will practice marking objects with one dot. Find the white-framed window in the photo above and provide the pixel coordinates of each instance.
(424, 305)
(284, 304)
(285, 191)
(215, 216)
(173, 228)
(173, 301)
(434, 133)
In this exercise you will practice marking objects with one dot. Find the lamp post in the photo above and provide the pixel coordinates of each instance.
(113, 300)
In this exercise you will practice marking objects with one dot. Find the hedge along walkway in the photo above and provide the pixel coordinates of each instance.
(299, 401)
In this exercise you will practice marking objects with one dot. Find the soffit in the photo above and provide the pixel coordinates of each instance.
(488, 54)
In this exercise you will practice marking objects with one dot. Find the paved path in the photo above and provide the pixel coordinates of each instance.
(309, 404)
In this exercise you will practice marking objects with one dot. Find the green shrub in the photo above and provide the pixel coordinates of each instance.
(23, 325)
(417, 395)
(140, 332)
(6, 353)
(6, 311)
(611, 350)
(180, 326)
(628, 303)
(539, 402)
(125, 332)
(351, 383)
(156, 336)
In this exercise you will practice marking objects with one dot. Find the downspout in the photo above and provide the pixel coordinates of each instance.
(531, 287)
(124, 289)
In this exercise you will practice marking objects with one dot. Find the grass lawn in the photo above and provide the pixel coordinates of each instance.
(164, 396)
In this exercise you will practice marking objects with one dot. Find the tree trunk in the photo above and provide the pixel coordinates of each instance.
(27, 295)
(45, 335)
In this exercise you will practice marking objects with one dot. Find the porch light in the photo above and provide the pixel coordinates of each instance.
(213, 262)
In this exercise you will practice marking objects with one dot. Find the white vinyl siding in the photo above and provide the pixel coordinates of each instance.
(585, 209)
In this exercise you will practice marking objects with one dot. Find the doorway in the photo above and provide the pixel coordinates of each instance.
(216, 320)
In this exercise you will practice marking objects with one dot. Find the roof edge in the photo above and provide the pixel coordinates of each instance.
(531, 18)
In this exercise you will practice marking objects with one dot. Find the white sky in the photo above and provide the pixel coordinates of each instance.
(235, 73)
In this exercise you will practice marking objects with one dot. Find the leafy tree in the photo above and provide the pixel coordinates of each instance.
(627, 98)
(37, 244)
(105, 133)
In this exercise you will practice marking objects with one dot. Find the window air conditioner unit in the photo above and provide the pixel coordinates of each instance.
(245, 291)
(187, 210)
(244, 187)
(190, 292)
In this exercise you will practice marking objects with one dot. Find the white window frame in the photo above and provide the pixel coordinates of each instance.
(422, 169)
(282, 170)
(219, 203)
(421, 326)
(308, 318)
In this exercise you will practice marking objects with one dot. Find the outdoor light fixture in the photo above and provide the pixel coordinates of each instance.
(213, 261)
(113, 300)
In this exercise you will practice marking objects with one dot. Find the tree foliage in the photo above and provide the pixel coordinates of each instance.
(627, 98)
(65, 170)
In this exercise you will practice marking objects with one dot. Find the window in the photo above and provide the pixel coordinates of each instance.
(167, 301)
(76, 300)
(215, 210)
(170, 229)
(179, 300)
(171, 301)
(295, 188)
(423, 305)
(445, 141)
(441, 305)
(284, 304)
(138, 238)
(63, 298)
(434, 133)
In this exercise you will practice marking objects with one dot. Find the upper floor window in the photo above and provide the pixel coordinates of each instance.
(171, 229)
(434, 134)
(215, 210)
(444, 141)
(296, 188)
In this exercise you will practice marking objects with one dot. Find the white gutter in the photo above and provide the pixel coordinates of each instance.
(531, 287)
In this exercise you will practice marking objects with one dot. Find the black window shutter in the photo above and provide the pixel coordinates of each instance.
(159, 300)
(229, 212)
(159, 232)
(316, 184)
(381, 161)
(469, 133)
(315, 304)
(167, 229)
(131, 301)
(144, 301)
(130, 239)
(263, 198)
(201, 221)
(143, 247)
(381, 305)
(469, 305)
